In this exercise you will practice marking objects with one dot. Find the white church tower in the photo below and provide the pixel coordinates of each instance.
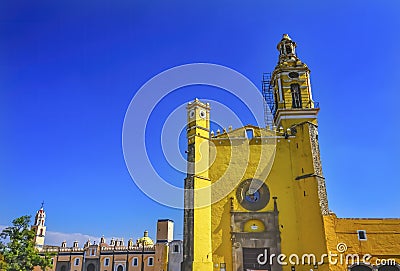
(39, 228)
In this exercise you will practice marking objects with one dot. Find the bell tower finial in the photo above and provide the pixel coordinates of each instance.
(287, 49)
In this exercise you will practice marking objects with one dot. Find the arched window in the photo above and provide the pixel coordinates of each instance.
(90, 267)
(135, 262)
(254, 225)
(360, 268)
(120, 268)
(249, 133)
(41, 232)
(150, 261)
(296, 95)
(106, 261)
(288, 49)
(76, 261)
(388, 268)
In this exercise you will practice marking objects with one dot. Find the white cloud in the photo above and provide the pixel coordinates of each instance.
(56, 238)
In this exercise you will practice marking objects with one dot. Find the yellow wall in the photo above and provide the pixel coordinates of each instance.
(383, 238)
(161, 257)
(303, 228)
(145, 259)
(300, 216)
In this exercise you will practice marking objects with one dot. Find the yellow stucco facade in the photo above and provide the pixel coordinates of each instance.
(379, 243)
(266, 190)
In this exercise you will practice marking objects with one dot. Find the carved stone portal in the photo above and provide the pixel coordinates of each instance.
(254, 233)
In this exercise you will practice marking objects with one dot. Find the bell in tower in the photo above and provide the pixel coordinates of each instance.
(287, 49)
(290, 84)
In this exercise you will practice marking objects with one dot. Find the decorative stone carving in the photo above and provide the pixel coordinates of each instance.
(269, 238)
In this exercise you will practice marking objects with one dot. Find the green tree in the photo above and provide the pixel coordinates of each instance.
(18, 248)
(2, 263)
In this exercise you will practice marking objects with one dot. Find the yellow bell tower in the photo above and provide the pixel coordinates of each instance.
(266, 186)
(197, 254)
(291, 85)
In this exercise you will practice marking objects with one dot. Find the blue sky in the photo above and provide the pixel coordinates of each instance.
(69, 69)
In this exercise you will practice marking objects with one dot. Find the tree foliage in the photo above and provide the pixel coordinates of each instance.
(18, 248)
(2, 263)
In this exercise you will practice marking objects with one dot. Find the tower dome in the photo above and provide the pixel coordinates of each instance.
(287, 50)
(146, 240)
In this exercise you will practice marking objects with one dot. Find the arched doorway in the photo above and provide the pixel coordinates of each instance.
(120, 268)
(360, 268)
(388, 268)
(90, 267)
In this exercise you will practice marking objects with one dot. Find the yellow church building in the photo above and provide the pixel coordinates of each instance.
(255, 197)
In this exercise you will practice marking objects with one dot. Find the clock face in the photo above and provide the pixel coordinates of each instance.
(202, 114)
(253, 194)
(191, 114)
